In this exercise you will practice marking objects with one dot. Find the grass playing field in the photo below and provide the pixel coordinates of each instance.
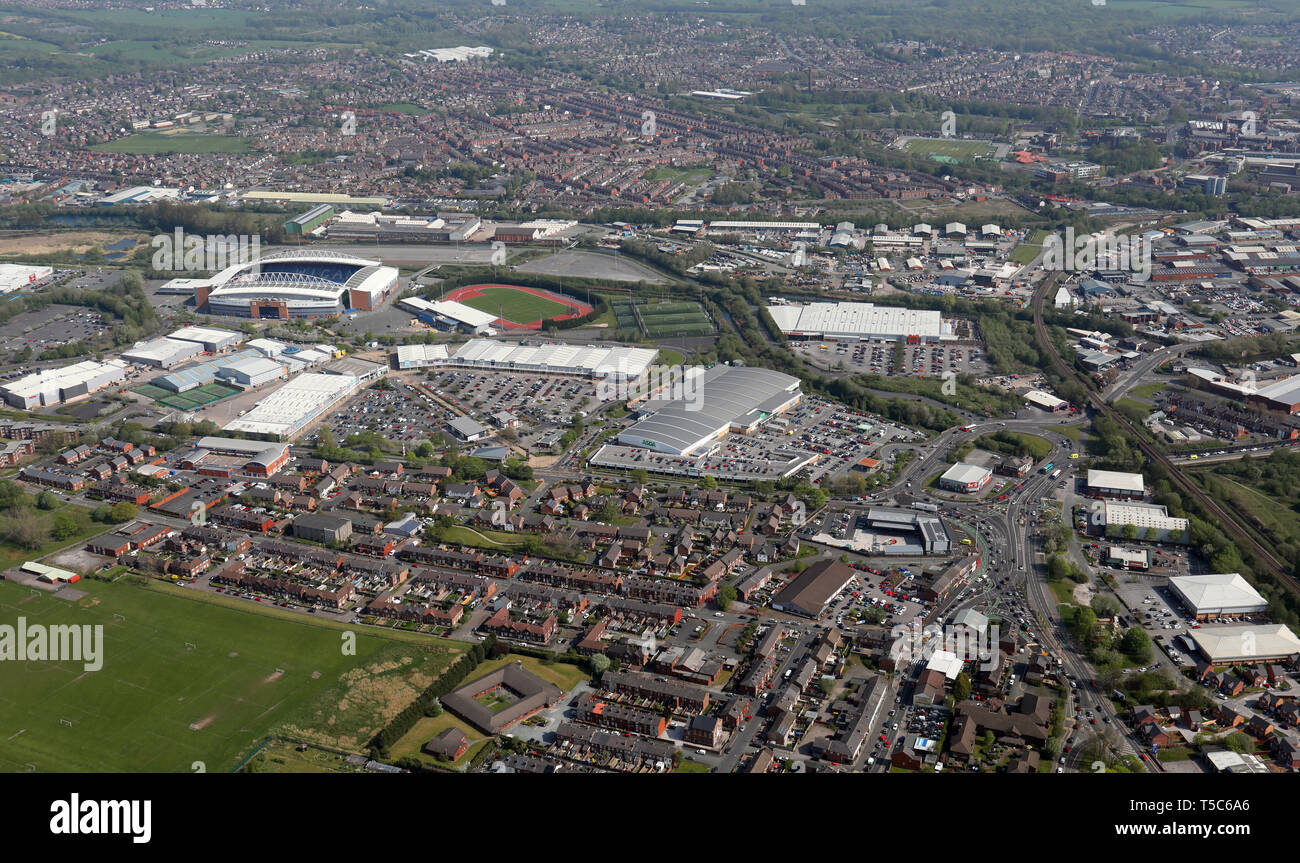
(519, 307)
(153, 143)
(955, 148)
(160, 705)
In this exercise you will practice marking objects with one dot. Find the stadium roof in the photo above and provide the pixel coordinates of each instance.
(1221, 593)
(721, 398)
(858, 319)
(1116, 480)
(252, 281)
(1246, 643)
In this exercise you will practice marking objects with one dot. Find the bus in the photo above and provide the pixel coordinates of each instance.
(968, 427)
(1056, 473)
(1046, 469)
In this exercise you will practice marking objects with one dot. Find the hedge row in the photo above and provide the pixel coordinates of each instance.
(426, 703)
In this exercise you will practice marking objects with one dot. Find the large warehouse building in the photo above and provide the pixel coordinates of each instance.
(67, 384)
(298, 283)
(1152, 521)
(420, 356)
(1276, 394)
(857, 321)
(251, 372)
(553, 359)
(811, 591)
(163, 353)
(1224, 594)
(1115, 485)
(288, 410)
(213, 340)
(724, 398)
(1248, 643)
(19, 277)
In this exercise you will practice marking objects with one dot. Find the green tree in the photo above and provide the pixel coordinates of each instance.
(123, 511)
(726, 596)
(961, 687)
(47, 500)
(1136, 645)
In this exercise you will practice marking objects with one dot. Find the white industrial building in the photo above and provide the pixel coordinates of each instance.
(268, 347)
(617, 363)
(251, 372)
(1116, 484)
(16, 277)
(450, 314)
(1145, 517)
(288, 410)
(212, 340)
(56, 386)
(1224, 594)
(965, 478)
(163, 353)
(1046, 401)
(419, 356)
(1246, 643)
(857, 321)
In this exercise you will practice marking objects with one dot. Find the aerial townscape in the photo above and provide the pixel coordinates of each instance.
(587, 386)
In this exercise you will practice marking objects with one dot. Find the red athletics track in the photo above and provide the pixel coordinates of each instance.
(471, 291)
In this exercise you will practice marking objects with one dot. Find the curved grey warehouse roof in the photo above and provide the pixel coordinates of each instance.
(722, 397)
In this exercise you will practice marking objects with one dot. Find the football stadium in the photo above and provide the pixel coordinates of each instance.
(297, 283)
(726, 398)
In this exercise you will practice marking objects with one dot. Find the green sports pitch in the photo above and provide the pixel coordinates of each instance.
(158, 144)
(519, 307)
(189, 677)
(954, 148)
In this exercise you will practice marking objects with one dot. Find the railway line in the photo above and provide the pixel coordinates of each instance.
(1227, 522)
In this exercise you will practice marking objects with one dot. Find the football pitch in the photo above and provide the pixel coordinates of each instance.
(519, 307)
(955, 148)
(190, 677)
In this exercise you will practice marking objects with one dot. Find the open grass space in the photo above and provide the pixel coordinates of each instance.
(520, 307)
(185, 678)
